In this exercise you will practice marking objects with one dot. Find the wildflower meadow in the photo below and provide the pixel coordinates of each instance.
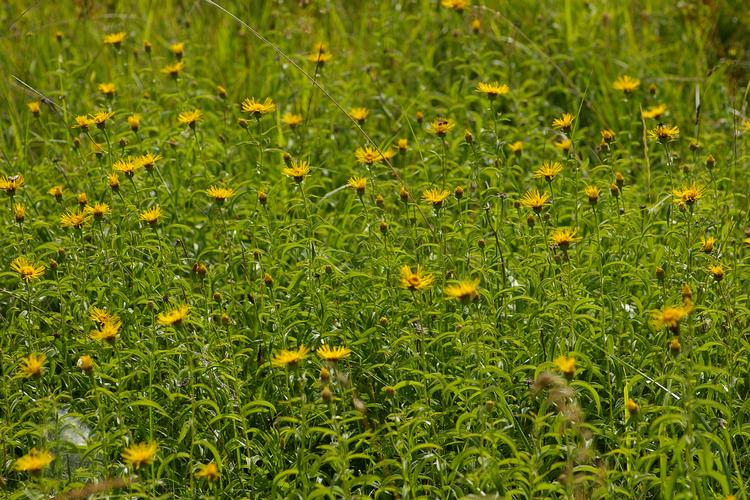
(374, 249)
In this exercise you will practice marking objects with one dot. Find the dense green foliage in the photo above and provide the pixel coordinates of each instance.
(518, 360)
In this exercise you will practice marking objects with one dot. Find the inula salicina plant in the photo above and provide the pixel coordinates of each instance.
(391, 249)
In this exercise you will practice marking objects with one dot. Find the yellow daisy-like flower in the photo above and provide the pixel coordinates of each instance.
(178, 49)
(11, 183)
(107, 332)
(298, 171)
(671, 316)
(101, 117)
(148, 160)
(115, 39)
(291, 120)
(19, 212)
(607, 135)
(565, 122)
(402, 145)
(456, 5)
(97, 210)
(368, 155)
(221, 193)
(689, 194)
(359, 184)
(333, 354)
(548, 170)
(359, 114)
(707, 244)
(464, 291)
(190, 118)
(492, 90)
(174, 317)
(85, 363)
(140, 454)
(534, 200)
(101, 316)
(717, 271)
(134, 122)
(441, 126)
(256, 109)
(567, 365)
(516, 147)
(32, 366)
(592, 192)
(664, 133)
(35, 107)
(34, 461)
(632, 408)
(626, 84)
(209, 472)
(654, 112)
(83, 122)
(108, 89)
(74, 219)
(563, 238)
(319, 57)
(56, 191)
(173, 70)
(151, 216)
(290, 359)
(127, 166)
(26, 269)
(436, 196)
(114, 181)
(415, 280)
(564, 145)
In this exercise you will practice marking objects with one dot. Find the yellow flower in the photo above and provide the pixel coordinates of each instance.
(548, 170)
(464, 291)
(534, 200)
(174, 317)
(11, 183)
(190, 118)
(664, 133)
(689, 194)
(177, 49)
(332, 354)
(83, 199)
(101, 117)
(297, 171)
(717, 271)
(19, 212)
(101, 316)
(127, 166)
(320, 57)
(98, 210)
(83, 122)
(592, 192)
(115, 39)
(220, 193)
(457, 5)
(359, 114)
(108, 89)
(516, 148)
(402, 144)
(73, 219)
(114, 181)
(173, 70)
(290, 359)
(32, 365)
(626, 84)
(26, 269)
(707, 244)
(368, 155)
(358, 183)
(654, 112)
(291, 120)
(567, 365)
(671, 316)
(564, 145)
(151, 216)
(107, 332)
(607, 135)
(256, 109)
(35, 107)
(441, 126)
(492, 90)
(436, 196)
(209, 472)
(34, 461)
(140, 454)
(85, 363)
(565, 122)
(415, 280)
(148, 160)
(563, 238)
